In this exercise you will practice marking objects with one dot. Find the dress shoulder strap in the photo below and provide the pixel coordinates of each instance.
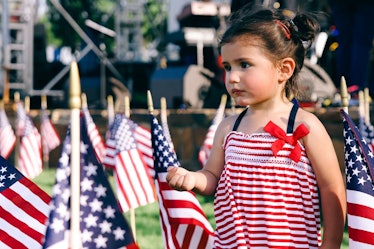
(239, 119)
(291, 120)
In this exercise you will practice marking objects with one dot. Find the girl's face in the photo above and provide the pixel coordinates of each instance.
(251, 77)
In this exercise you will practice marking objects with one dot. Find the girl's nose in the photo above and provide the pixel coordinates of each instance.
(232, 77)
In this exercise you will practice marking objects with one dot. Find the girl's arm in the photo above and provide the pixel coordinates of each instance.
(322, 155)
(205, 180)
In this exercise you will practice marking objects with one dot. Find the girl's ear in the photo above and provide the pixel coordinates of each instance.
(286, 68)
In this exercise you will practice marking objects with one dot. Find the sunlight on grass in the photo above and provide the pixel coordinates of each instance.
(147, 223)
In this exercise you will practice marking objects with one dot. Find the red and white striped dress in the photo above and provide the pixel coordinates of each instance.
(265, 199)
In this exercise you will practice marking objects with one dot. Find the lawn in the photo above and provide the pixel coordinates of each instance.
(148, 231)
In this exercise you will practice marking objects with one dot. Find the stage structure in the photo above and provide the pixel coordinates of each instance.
(17, 48)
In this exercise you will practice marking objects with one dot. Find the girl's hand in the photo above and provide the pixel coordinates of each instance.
(180, 179)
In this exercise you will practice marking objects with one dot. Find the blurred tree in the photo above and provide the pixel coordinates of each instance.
(102, 12)
(80, 11)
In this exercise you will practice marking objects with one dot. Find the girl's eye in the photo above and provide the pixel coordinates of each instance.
(227, 68)
(244, 64)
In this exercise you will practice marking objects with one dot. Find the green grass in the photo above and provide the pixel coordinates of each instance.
(147, 223)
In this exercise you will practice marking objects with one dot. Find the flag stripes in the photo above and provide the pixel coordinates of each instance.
(133, 181)
(134, 184)
(49, 135)
(359, 161)
(183, 222)
(7, 136)
(102, 224)
(30, 153)
(143, 138)
(94, 135)
(23, 211)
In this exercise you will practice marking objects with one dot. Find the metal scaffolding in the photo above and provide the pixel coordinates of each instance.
(17, 33)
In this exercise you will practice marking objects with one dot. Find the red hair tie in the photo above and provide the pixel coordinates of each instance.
(285, 29)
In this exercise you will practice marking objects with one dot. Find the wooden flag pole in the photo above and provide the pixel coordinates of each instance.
(132, 210)
(17, 99)
(110, 110)
(344, 94)
(361, 105)
(45, 151)
(367, 105)
(232, 103)
(27, 104)
(84, 100)
(163, 110)
(75, 106)
(150, 102)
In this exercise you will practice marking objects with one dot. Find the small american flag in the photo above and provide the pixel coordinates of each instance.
(21, 118)
(102, 223)
(24, 210)
(183, 222)
(7, 136)
(359, 161)
(134, 184)
(143, 141)
(30, 151)
(50, 137)
(94, 134)
(367, 132)
(205, 149)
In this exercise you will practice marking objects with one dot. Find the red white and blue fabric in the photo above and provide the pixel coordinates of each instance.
(30, 160)
(183, 222)
(24, 209)
(102, 223)
(134, 184)
(7, 136)
(94, 134)
(367, 132)
(267, 195)
(359, 171)
(205, 149)
(143, 141)
(50, 138)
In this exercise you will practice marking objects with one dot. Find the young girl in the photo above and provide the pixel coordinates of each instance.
(271, 164)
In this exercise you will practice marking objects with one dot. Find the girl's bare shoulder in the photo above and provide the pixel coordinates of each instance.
(309, 119)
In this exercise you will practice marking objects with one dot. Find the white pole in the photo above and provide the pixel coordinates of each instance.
(344, 94)
(75, 106)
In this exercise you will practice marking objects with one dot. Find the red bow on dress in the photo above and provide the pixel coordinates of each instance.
(277, 132)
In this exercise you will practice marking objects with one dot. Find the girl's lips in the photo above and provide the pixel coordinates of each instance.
(236, 91)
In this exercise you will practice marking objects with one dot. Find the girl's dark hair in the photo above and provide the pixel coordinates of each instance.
(281, 36)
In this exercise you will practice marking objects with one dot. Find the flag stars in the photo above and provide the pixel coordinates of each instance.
(354, 149)
(101, 241)
(63, 211)
(3, 170)
(84, 200)
(119, 234)
(348, 140)
(90, 220)
(83, 148)
(359, 158)
(90, 169)
(361, 181)
(355, 172)
(86, 236)
(57, 225)
(96, 205)
(349, 178)
(109, 212)
(105, 227)
(86, 185)
(350, 163)
(12, 176)
(62, 175)
(100, 191)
